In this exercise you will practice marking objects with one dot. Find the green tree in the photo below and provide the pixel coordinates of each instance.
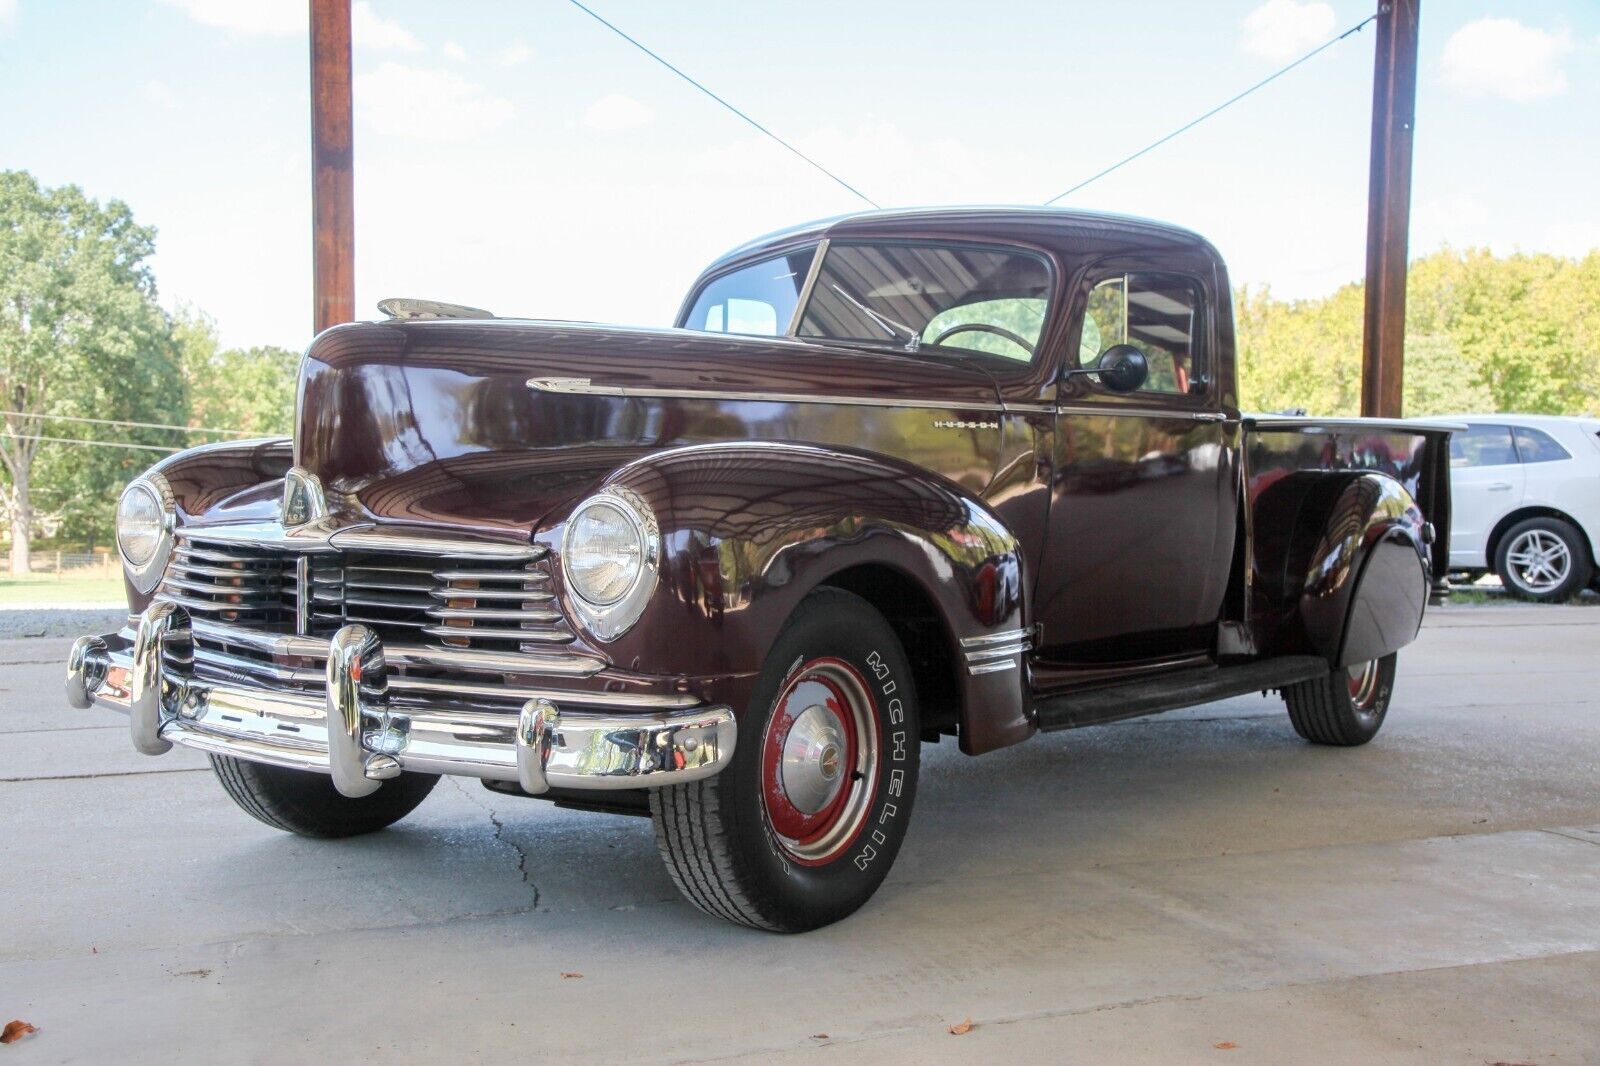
(246, 389)
(80, 331)
(1483, 333)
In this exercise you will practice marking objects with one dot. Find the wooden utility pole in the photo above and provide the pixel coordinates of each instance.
(333, 223)
(1394, 107)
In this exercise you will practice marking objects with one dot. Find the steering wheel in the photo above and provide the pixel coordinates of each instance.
(984, 327)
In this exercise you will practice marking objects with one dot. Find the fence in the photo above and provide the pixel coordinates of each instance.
(75, 564)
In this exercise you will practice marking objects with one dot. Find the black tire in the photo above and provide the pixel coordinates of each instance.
(1522, 583)
(1340, 710)
(306, 803)
(718, 837)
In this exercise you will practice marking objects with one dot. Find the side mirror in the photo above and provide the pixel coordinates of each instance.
(1120, 368)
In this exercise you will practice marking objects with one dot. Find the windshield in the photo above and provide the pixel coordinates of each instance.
(913, 296)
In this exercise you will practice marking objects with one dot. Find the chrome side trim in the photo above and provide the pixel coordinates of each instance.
(993, 652)
(448, 690)
(1169, 414)
(994, 638)
(587, 387)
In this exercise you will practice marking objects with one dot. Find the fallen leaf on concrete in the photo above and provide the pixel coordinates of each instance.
(192, 973)
(1226, 1045)
(963, 1029)
(567, 976)
(819, 1036)
(16, 1030)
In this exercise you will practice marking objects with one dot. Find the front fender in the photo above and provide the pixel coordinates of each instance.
(1367, 583)
(749, 529)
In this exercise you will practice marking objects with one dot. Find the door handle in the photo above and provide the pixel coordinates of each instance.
(1500, 486)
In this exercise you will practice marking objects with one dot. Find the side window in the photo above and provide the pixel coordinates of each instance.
(1482, 445)
(1537, 446)
(756, 300)
(1157, 313)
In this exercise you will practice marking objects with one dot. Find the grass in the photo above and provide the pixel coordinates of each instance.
(65, 590)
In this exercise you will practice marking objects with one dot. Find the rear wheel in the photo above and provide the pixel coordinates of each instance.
(802, 826)
(1347, 706)
(299, 801)
(1543, 559)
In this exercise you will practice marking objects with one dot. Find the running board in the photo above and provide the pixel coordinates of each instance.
(1186, 688)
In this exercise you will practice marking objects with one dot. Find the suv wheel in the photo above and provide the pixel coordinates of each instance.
(1544, 560)
(803, 825)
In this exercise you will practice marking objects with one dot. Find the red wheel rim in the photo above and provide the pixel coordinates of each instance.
(819, 761)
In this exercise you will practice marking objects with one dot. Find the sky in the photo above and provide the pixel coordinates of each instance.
(518, 156)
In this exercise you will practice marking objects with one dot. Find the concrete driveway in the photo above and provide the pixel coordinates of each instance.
(1197, 887)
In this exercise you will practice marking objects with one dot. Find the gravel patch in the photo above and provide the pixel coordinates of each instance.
(39, 620)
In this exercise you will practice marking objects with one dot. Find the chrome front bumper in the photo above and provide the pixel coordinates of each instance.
(353, 734)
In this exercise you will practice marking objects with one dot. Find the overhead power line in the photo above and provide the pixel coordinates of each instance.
(134, 425)
(93, 443)
(1269, 79)
(653, 55)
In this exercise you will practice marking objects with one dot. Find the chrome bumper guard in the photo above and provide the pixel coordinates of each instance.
(353, 735)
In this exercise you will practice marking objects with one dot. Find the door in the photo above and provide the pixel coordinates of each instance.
(1486, 484)
(1144, 492)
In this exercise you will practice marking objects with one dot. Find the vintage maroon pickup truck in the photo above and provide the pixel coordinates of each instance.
(893, 477)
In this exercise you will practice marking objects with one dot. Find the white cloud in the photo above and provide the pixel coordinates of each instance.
(368, 29)
(1280, 30)
(275, 17)
(515, 55)
(8, 12)
(455, 51)
(616, 112)
(1504, 58)
(407, 101)
(160, 93)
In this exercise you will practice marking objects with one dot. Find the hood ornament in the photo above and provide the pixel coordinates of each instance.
(407, 310)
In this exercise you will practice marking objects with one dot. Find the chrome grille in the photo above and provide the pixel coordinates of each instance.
(463, 604)
(261, 616)
(233, 583)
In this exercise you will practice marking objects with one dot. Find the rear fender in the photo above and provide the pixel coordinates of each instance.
(1366, 584)
(749, 529)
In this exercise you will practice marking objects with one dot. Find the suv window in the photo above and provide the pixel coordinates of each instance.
(1157, 313)
(1482, 445)
(960, 299)
(1537, 446)
(757, 300)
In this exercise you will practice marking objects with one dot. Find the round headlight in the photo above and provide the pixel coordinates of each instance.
(141, 524)
(609, 556)
(605, 551)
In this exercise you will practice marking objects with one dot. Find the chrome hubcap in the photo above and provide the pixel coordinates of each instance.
(819, 761)
(811, 759)
(1363, 680)
(1538, 561)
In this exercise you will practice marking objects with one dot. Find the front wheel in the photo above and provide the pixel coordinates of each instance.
(803, 825)
(307, 804)
(1345, 707)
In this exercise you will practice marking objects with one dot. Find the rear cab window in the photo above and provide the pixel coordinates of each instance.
(1482, 445)
(1537, 446)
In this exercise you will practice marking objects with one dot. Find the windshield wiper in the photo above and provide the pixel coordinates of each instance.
(890, 326)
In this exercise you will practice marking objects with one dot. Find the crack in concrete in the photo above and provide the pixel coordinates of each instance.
(501, 838)
(117, 773)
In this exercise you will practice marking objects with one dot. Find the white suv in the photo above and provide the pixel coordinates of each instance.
(1525, 501)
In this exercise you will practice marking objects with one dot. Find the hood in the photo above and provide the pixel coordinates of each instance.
(434, 422)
